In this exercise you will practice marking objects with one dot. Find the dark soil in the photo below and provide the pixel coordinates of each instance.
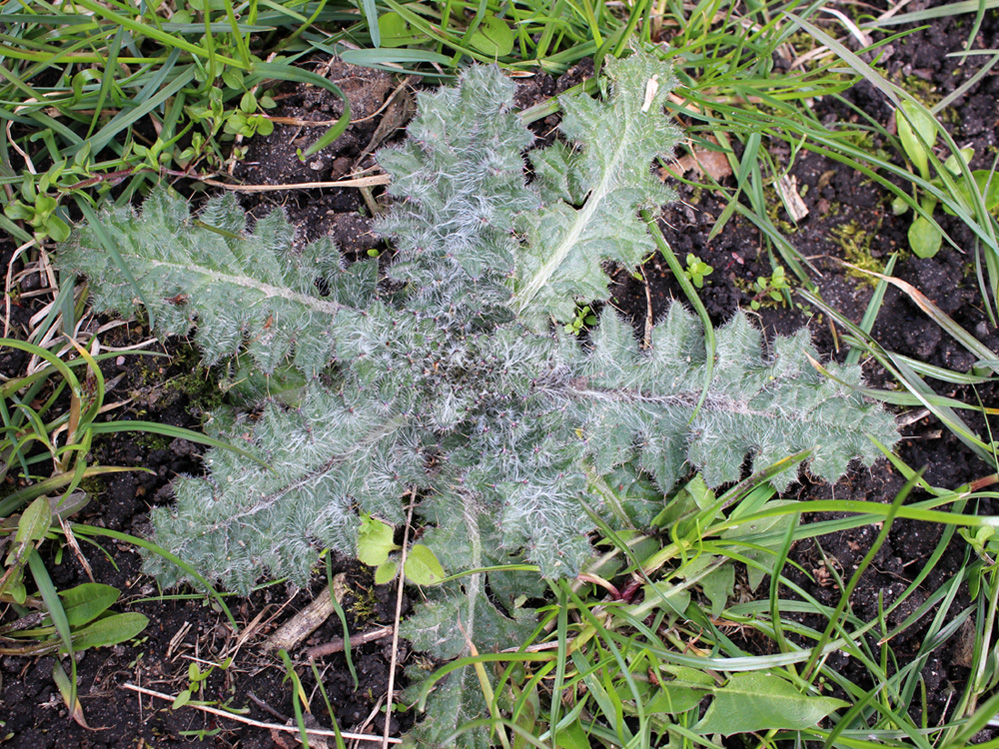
(841, 203)
(186, 629)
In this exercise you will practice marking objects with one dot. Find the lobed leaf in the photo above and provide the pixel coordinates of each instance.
(599, 189)
(450, 384)
(239, 289)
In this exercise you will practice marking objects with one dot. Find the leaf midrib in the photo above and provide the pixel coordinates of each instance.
(583, 217)
(269, 290)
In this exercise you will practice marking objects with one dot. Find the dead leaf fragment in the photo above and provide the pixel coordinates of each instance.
(787, 186)
(707, 161)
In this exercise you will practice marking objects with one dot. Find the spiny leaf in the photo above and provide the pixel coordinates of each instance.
(238, 288)
(448, 384)
(618, 140)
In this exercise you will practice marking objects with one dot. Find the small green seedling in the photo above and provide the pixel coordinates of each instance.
(584, 319)
(39, 211)
(917, 130)
(196, 682)
(770, 289)
(697, 270)
(983, 542)
(376, 548)
(246, 121)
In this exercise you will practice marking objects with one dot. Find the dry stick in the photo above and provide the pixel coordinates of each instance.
(337, 645)
(395, 627)
(260, 724)
(8, 287)
(372, 181)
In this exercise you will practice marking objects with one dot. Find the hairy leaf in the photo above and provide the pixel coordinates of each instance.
(239, 288)
(573, 235)
(448, 384)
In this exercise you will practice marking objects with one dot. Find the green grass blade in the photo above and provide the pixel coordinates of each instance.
(167, 430)
(89, 530)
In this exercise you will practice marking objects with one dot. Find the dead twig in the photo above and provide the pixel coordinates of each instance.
(395, 628)
(372, 181)
(337, 645)
(261, 724)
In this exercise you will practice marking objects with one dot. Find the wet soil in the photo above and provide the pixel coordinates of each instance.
(849, 218)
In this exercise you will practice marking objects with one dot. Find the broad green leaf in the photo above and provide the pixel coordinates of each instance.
(65, 507)
(14, 587)
(56, 228)
(987, 182)
(760, 701)
(680, 689)
(86, 602)
(953, 165)
(698, 490)
(248, 103)
(394, 30)
(573, 736)
(924, 238)
(912, 120)
(492, 37)
(672, 595)
(34, 523)
(110, 630)
(422, 566)
(718, 585)
(375, 541)
(385, 572)
(31, 528)
(181, 699)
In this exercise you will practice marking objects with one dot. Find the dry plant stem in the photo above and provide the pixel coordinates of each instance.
(8, 287)
(71, 541)
(261, 724)
(304, 623)
(337, 645)
(374, 180)
(395, 627)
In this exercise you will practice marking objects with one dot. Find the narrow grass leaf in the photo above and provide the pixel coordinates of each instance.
(168, 430)
(58, 615)
(942, 11)
(67, 689)
(873, 308)
(83, 529)
(128, 116)
(141, 30)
